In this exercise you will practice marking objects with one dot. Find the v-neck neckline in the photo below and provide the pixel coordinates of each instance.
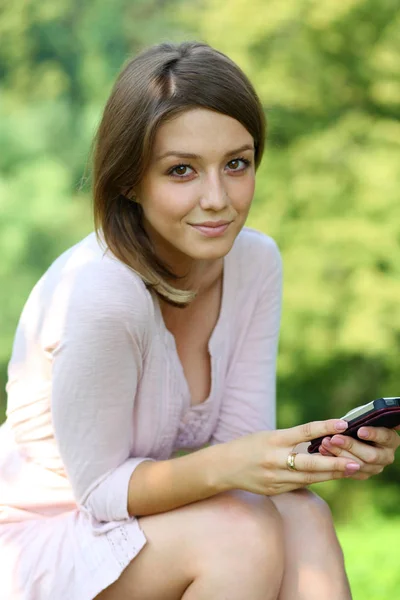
(172, 350)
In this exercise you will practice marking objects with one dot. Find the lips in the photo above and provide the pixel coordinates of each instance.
(212, 228)
(211, 224)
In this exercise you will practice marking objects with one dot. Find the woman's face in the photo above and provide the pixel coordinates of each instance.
(198, 188)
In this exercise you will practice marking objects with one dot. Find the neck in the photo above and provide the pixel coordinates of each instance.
(193, 274)
(203, 275)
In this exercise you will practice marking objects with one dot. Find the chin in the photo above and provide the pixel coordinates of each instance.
(210, 251)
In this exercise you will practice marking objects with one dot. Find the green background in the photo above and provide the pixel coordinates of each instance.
(328, 74)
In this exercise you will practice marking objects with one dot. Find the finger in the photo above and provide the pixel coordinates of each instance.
(308, 477)
(327, 446)
(324, 451)
(316, 463)
(312, 430)
(382, 436)
(360, 476)
(369, 469)
(339, 444)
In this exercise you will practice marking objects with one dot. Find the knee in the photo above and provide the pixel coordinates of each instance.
(314, 509)
(310, 515)
(249, 523)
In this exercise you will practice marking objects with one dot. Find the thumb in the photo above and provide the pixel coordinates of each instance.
(312, 430)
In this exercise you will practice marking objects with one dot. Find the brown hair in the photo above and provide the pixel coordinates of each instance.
(158, 84)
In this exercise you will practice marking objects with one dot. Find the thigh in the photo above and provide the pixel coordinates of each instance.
(182, 542)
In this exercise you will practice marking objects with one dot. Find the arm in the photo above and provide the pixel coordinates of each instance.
(96, 366)
(249, 399)
(157, 487)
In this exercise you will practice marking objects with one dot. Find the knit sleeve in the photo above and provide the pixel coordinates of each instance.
(249, 398)
(96, 367)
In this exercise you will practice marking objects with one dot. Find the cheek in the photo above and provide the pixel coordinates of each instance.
(242, 193)
(168, 203)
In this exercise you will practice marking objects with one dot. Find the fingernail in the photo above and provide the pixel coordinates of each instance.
(350, 472)
(364, 433)
(341, 425)
(351, 468)
(337, 441)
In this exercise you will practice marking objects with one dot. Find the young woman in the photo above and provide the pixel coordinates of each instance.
(158, 332)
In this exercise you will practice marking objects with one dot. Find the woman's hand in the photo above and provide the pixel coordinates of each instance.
(257, 462)
(372, 459)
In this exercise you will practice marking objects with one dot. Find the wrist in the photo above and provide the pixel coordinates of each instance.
(217, 469)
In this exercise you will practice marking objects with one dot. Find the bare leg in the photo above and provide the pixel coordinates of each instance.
(314, 566)
(229, 547)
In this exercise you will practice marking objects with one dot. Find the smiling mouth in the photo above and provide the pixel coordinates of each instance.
(211, 228)
(211, 224)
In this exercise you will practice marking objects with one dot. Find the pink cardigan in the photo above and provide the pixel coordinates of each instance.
(96, 386)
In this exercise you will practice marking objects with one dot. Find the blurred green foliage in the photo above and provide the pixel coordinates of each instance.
(328, 190)
(372, 563)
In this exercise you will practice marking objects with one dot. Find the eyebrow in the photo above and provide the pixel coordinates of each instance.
(190, 155)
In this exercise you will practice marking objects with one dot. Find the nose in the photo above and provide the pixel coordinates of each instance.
(214, 196)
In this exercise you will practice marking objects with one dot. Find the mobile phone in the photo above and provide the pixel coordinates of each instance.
(384, 412)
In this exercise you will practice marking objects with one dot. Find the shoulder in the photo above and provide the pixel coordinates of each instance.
(256, 253)
(88, 283)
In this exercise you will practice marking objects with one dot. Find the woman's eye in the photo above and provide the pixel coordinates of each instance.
(179, 170)
(235, 164)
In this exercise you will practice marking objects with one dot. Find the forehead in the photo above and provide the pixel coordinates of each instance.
(200, 131)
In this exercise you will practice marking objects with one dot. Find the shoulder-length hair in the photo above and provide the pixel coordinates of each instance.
(158, 84)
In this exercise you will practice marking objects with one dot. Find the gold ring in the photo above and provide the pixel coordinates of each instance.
(290, 461)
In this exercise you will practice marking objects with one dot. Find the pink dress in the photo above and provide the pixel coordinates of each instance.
(95, 386)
